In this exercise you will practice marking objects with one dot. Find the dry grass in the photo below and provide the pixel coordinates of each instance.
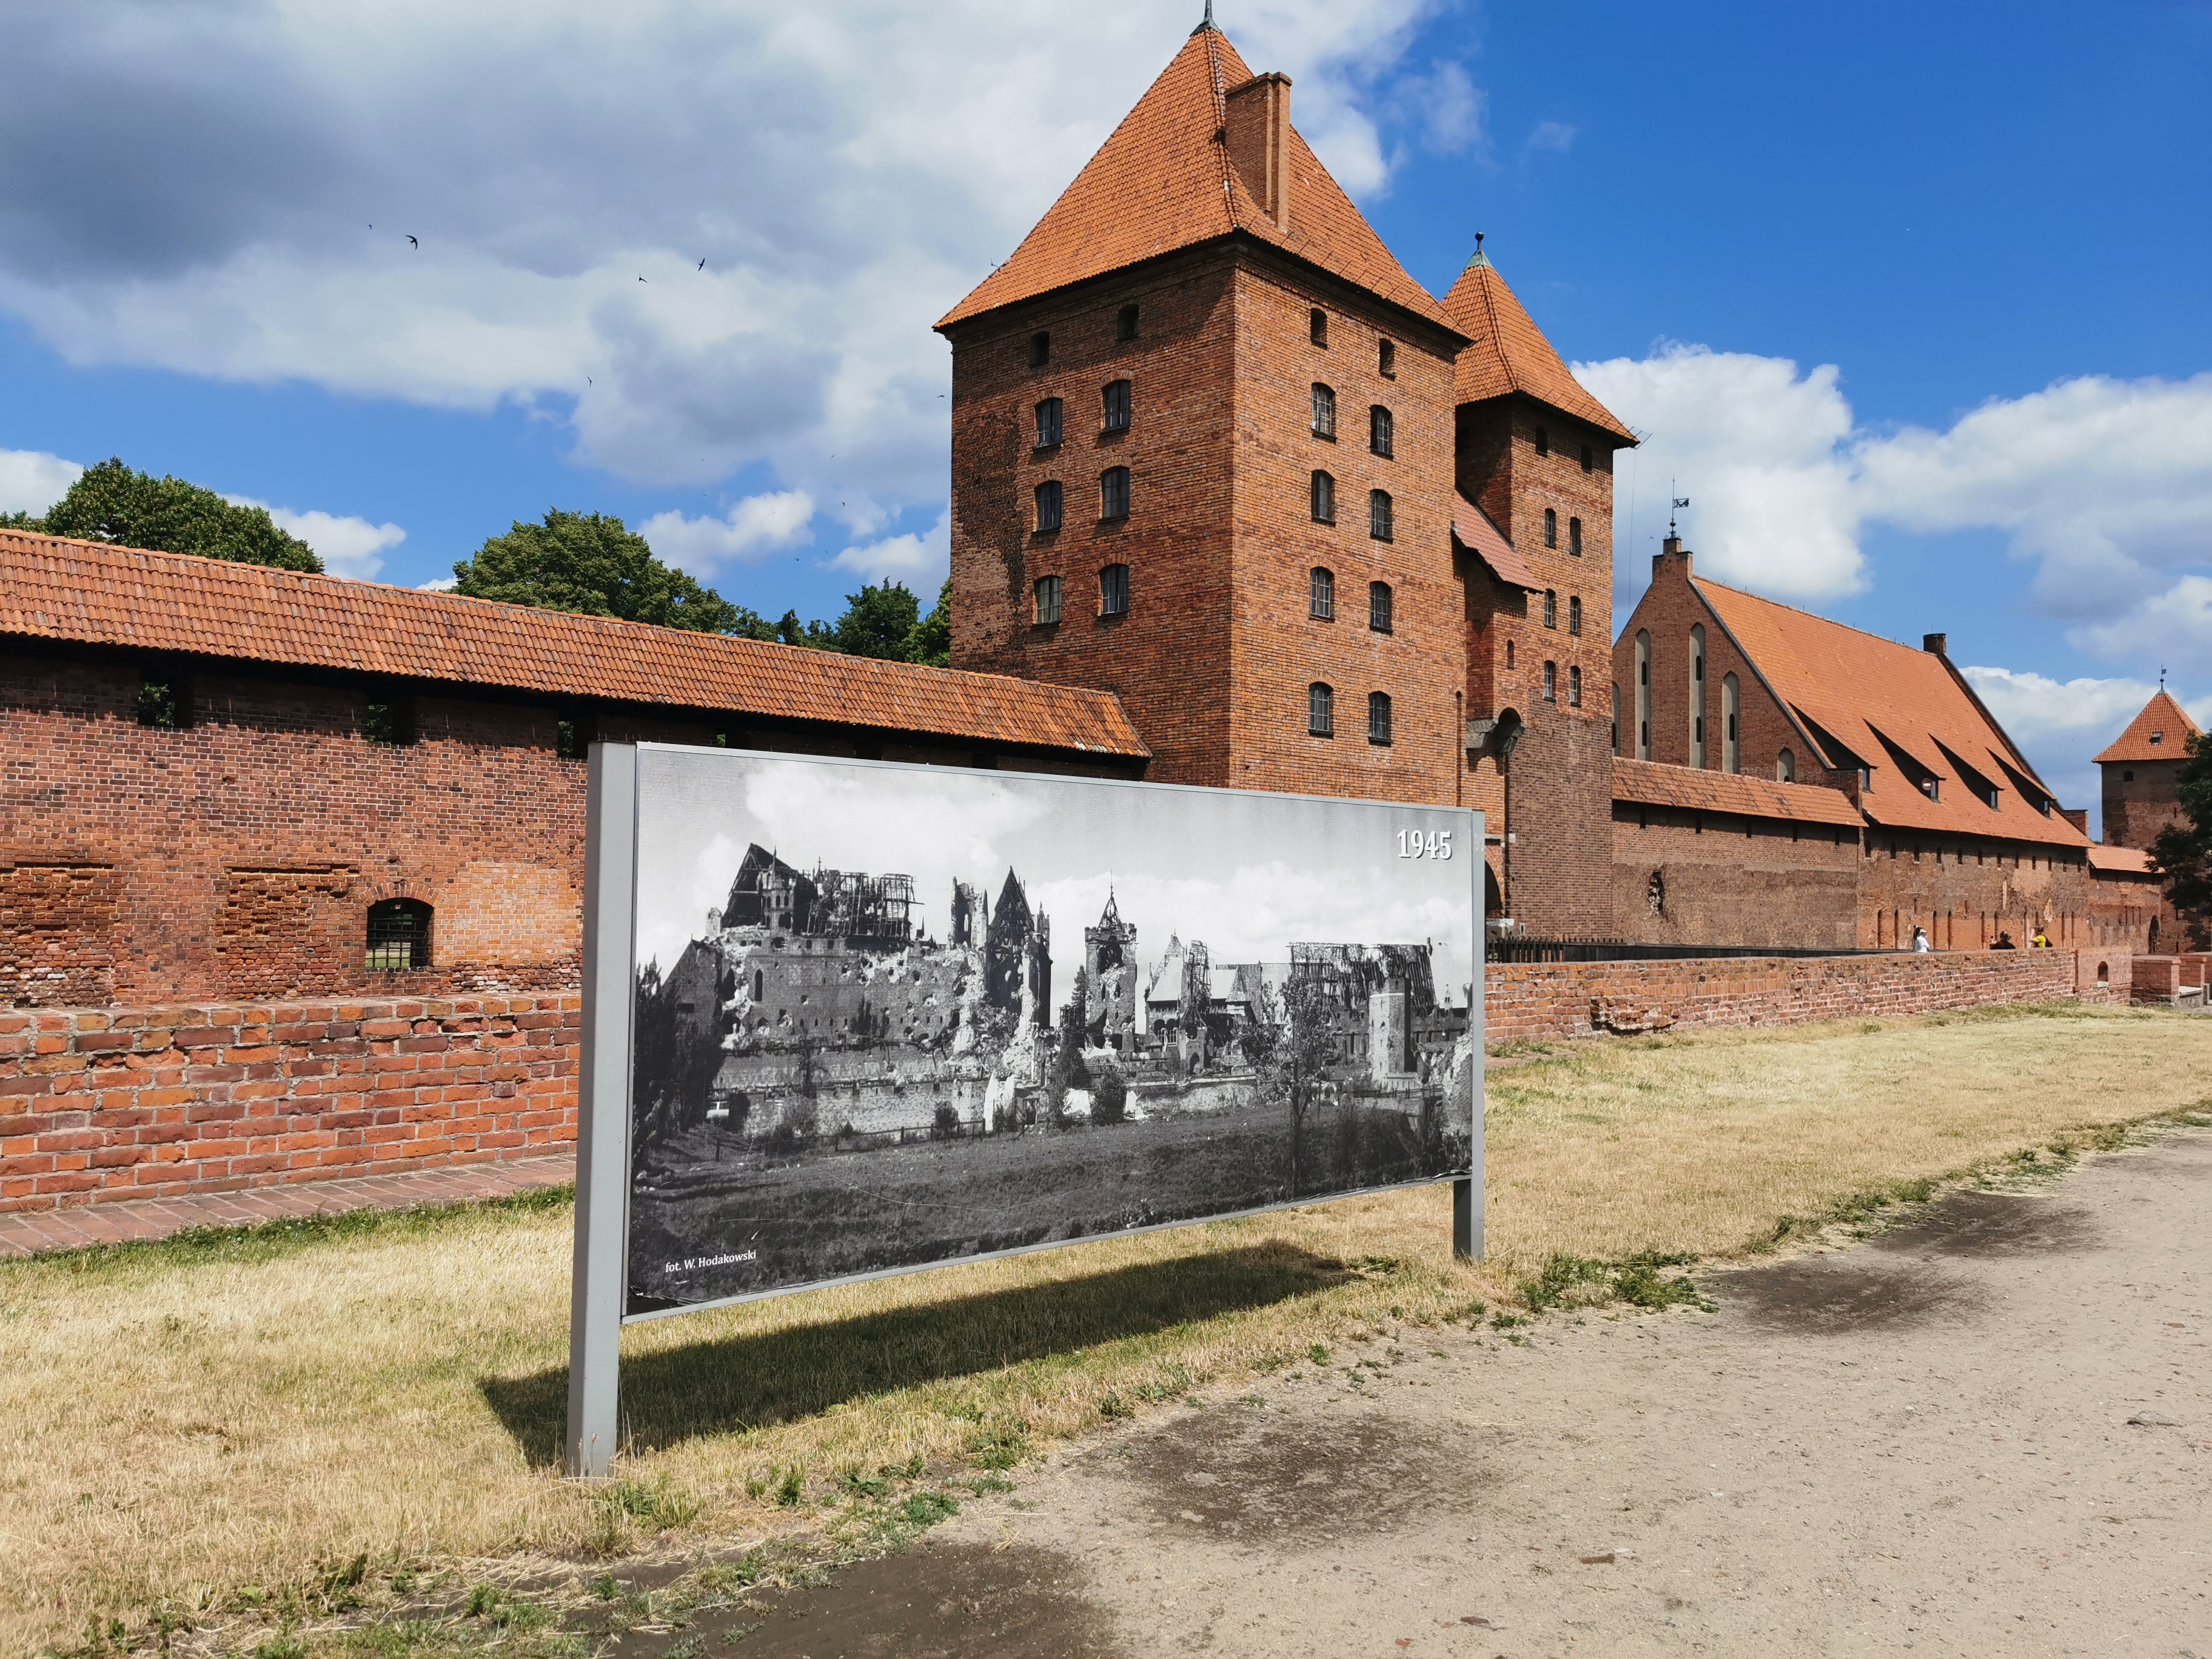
(190, 1418)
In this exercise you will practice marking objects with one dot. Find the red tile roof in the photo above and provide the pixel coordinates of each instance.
(92, 595)
(1861, 689)
(1650, 783)
(2120, 860)
(1162, 182)
(1509, 353)
(2161, 717)
(1483, 538)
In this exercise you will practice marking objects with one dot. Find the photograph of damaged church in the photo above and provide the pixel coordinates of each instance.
(889, 1016)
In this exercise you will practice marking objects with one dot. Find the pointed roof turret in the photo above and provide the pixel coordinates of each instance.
(2161, 732)
(1165, 180)
(1509, 353)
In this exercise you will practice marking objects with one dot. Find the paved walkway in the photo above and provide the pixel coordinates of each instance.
(37, 1231)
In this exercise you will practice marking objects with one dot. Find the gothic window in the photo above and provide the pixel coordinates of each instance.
(398, 935)
(1386, 358)
(1317, 325)
(1550, 682)
(1048, 419)
(1117, 406)
(1698, 693)
(1048, 598)
(1543, 441)
(1574, 687)
(1114, 493)
(1378, 606)
(1575, 537)
(1040, 350)
(1378, 514)
(1320, 594)
(1324, 498)
(1321, 711)
(1378, 430)
(1785, 767)
(1048, 505)
(1550, 609)
(1551, 527)
(1324, 411)
(1574, 614)
(1114, 591)
(1378, 719)
(1125, 325)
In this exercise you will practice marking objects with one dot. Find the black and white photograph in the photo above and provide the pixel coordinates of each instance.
(891, 1015)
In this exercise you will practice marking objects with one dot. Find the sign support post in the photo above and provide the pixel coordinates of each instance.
(1467, 1192)
(595, 1308)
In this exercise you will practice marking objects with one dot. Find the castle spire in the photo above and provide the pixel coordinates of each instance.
(1206, 22)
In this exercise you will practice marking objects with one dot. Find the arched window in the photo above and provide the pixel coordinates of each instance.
(1114, 493)
(1574, 614)
(1550, 682)
(1785, 767)
(1048, 505)
(1696, 694)
(1321, 711)
(1643, 696)
(1321, 594)
(1125, 328)
(1574, 687)
(1551, 527)
(1543, 441)
(1324, 498)
(1116, 399)
(1378, 606)
(1114, 591)
(1048, 598)
(1040, 350)
(1550, 609)
(1378, 430)
(1575, 538)
(1048, 419)
(759, 985)
(1378, 719)
(1731, 750)
(1378, 514)
(398, 935)
(1317, 324)
(1324, 410)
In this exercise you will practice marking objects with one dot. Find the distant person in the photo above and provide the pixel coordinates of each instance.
(2041, 941)
(1920, 944)
(2004, 943)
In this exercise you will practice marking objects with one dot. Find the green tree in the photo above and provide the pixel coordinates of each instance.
(2183, 853)
(933, 635)
(595, 564)
(110, 502)
(21, 521)
(879, 621)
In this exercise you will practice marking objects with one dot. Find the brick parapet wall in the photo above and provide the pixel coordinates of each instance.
(138, 1102)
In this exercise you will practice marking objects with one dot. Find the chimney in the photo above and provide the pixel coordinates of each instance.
(1934, 643)
(1670, 549)
(1257, 132)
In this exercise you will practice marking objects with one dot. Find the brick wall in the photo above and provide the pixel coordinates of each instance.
(1737, 880)
(2141, 798)
(137, 1103)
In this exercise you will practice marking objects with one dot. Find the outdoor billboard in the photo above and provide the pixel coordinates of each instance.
(846, 1018)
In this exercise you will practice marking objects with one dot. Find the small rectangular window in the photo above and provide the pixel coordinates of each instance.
(1114, 493)
(1575, 537)
(1378, 719)
(391, 722)
(1117, 406)
(1324, 498)
(1378, 431)
(1047, 599)
(1317, 325)
(1040, 350)
(1386, 356)
(164, 703)
(1125, 325)
(1324, 411)
(1378, 514)
(1048, 423)
(1114, 591)
(1586, 457)
(1321, 711)
(572, 736)
(1048, 506)
(398, 935)
(1378, 606)
(1543, 441)
(1321, 595)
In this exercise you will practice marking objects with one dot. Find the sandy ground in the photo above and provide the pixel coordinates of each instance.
(1989, 1433)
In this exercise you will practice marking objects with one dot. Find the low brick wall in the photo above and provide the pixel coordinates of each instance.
(137, 1102)
(1541, 1000)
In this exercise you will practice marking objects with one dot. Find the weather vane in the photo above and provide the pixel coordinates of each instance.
(1674, 503)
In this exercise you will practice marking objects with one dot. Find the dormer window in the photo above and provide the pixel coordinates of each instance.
(2157, 738)
(1324, 411)
(1317, 325)
(1040, 350)
(1116, 399)
(1932, 788)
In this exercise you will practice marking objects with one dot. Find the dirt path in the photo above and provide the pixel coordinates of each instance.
(1988, 1434)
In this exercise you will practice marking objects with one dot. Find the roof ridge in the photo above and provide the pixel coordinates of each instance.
(1800, 610)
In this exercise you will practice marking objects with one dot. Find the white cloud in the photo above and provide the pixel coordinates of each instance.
(1551, 138)
(31, 481)
(754, 527)
(2061, 724)
(350, 547)
(923, 558)
(439, 585)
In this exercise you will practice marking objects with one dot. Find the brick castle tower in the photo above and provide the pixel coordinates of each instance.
(1215, 450)
(2141, 771)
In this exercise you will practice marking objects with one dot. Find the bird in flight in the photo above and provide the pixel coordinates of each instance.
(640, 279)
(702, 264)
(414, 242)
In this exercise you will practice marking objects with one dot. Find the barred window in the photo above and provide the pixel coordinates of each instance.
(1049, 505)
(1378, 719)
(1324, 498)
(1378, 514)
(1125, 325)
(1551, 527)
(1386, 358)
(1574, 614)
(1040, 350)
(398, 935)
(1550, 609)
(1114, 591)
(1321, 711)
(1320, 594)
(1378, 606)
(1575, 537)
(1550, 682)
(1324, 411)
(1047, 417)
(1378, 430)
(1114, 493)
(1117, 406)
(1048, 598)
(1317, 325)
(1574, 688)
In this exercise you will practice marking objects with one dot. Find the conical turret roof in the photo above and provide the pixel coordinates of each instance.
(1163, 181)
(1508, 353)
(2161, 732)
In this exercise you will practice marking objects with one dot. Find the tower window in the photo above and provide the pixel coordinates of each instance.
(1574, 614)
(1040, 350)
(390, 723)
(1574, 687)
(1047, 599)
(1125, 325)
(1114, 493)
(1324, 411)
(1378, 606)
(1378, 719)
(1378, 514)
(1550, 609)
(1321, 711)
(1551, 527)
(1324, 498)
(1386, 358)
(164, 705)
(1543, 441)
(1114, 591)
(1575, 537)
(1047, 417)
(398, 935)
(2156, 738)
(1048, 506)
(1117, 406)
(2128, 775)
(1317, 325)
(1586, 457)
(1550, 682)
(1378, 431)
(1320, 594)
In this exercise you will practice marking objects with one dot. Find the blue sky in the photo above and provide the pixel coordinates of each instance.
(1911, 298)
